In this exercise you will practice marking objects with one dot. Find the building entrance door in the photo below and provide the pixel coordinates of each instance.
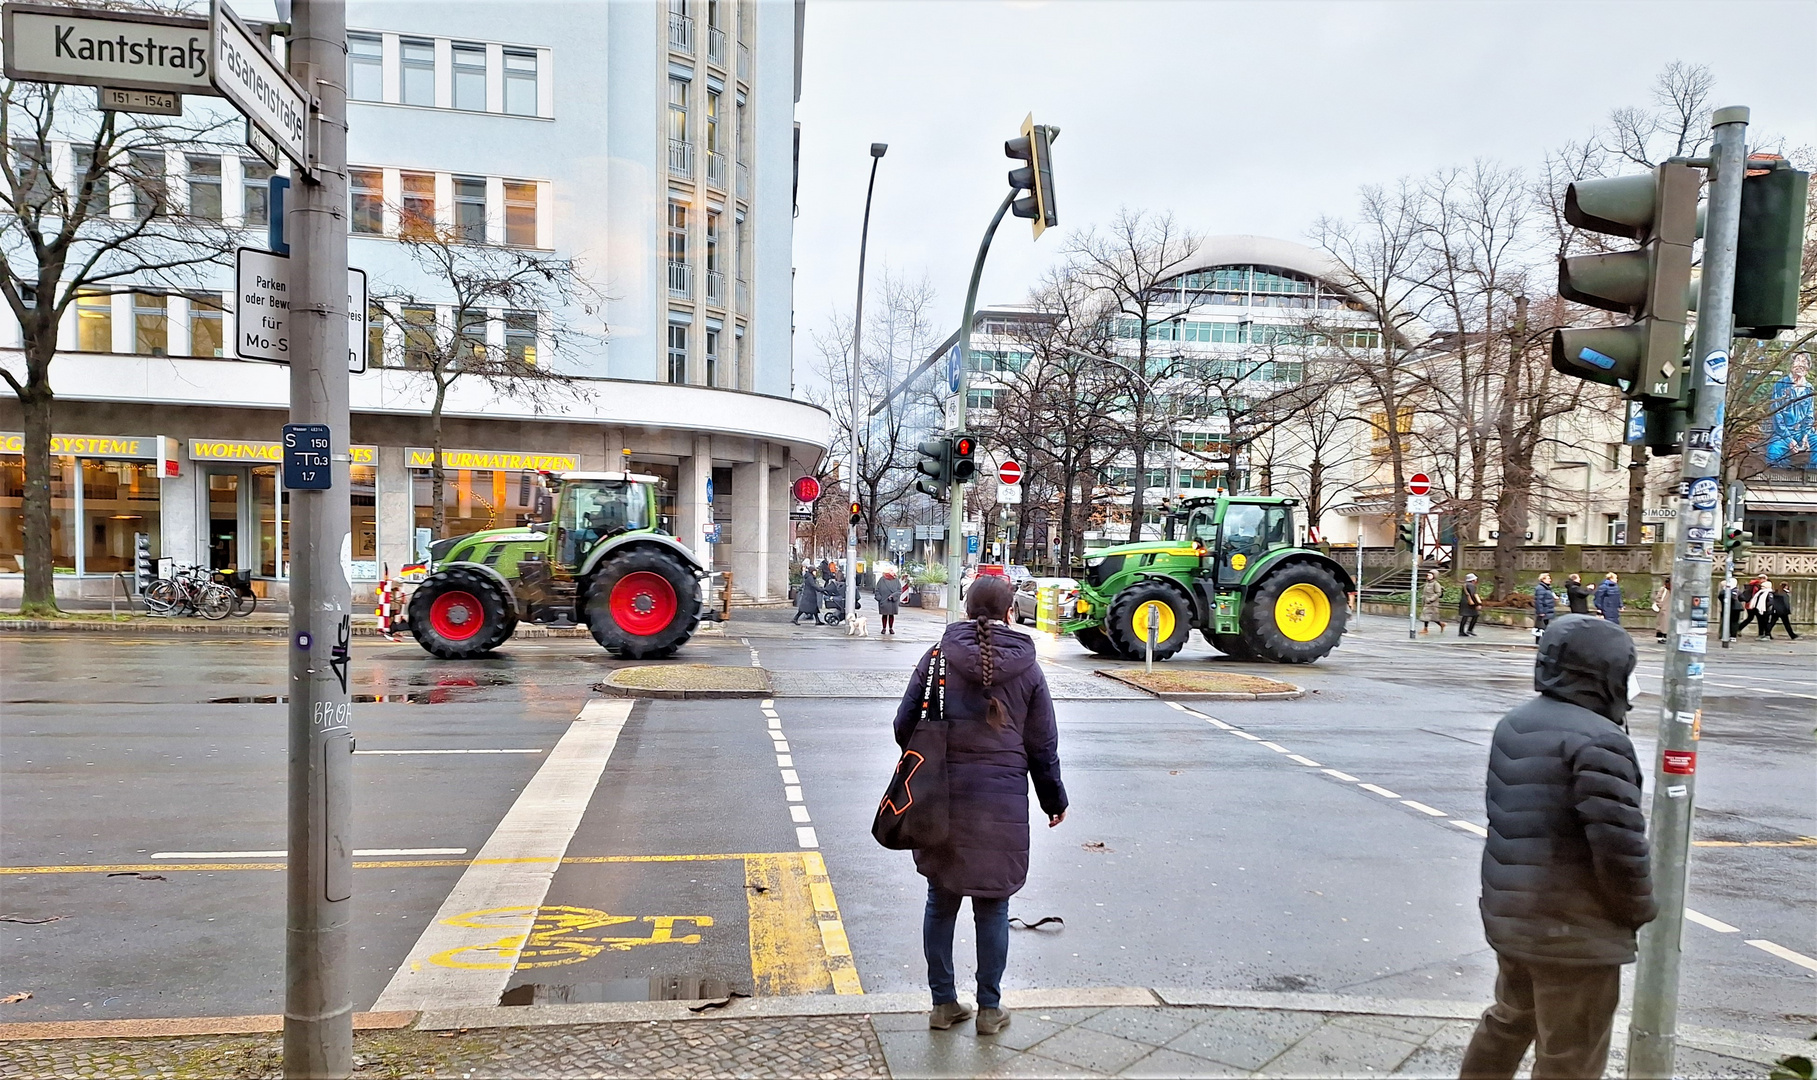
(226, 518)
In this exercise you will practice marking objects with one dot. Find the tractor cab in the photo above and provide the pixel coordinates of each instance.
(591, 507)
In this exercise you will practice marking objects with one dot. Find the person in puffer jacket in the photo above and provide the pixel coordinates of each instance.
(1566, 881)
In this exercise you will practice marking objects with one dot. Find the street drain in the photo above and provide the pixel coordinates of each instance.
(654, 988)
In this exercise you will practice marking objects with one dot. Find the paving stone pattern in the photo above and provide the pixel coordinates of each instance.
(1126, 1041)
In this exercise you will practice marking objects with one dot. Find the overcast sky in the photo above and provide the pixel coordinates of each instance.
(1236, 117)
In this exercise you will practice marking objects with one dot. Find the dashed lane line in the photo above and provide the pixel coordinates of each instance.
(1783, 953)
(1470, 827)
(529, 750)
(1424, 809)
(1303, 760)
(1717, 925)
(1344, 776)
(1379, 790)
(1277, 748)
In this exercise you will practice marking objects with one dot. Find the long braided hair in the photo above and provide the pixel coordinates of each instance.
(987, 601)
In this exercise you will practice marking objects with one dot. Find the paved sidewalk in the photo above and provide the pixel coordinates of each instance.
(1131, 1032)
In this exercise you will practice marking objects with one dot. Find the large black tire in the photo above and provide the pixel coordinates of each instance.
(631, 613)
(1095, 639)
(1127, 623)
(1296, 615)
(459, 613)
(1231, 645)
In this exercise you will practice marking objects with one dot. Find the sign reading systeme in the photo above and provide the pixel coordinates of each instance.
(97, 47)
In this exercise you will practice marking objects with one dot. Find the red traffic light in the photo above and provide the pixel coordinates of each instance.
(857, 509)
(965, 446)
(806, 489)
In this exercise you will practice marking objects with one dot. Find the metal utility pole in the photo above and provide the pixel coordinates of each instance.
(955, 495)
(1413, 586)
(318, 987)
(851, 531)
(1652, 1035)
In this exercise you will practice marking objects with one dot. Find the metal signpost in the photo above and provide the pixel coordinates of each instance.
(1419, 504)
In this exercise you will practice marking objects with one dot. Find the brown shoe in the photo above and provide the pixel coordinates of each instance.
(941, 1017)
(991, 1021)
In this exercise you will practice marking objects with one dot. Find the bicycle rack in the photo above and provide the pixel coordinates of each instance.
(122, 588)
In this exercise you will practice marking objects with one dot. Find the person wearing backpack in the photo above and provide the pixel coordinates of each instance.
(1001, 735)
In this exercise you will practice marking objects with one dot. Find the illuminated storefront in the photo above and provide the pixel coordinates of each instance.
(104, 489)
(247, 514)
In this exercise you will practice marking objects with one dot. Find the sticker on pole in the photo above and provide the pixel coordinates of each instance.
(1693, 643)
(1679, 762)
(1716, 368)
(1704, 493)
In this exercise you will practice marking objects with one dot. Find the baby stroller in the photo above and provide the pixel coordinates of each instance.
(832, 606)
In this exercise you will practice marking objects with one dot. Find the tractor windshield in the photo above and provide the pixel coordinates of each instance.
(1250, 531)
(595, 510)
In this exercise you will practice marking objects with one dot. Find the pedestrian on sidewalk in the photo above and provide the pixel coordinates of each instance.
(807, 600)
(1545, 604)
(1577, 595)
(1431, 594)
(1779, 610)
(1729, 604)
(1003, 735)
(1760, 606)
(1607, 598)
(1662, 603)
(1566, 880)
(888, 592)
(1469, 608)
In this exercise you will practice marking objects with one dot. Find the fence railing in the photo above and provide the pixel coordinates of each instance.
(681, 280)
(716, 287)
(681, 33)
(716, 45)
(716, 170)
(681, 157)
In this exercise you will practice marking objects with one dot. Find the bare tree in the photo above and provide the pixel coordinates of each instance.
(537, 296)
(1315, 457)
(104, 222)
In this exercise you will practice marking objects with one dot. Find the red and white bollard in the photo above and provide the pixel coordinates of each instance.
(391, 604)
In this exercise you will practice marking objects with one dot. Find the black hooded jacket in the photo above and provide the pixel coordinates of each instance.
(1565, 870)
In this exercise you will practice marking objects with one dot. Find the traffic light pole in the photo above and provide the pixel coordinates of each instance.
(1652, 1035)
(955, 492)
(1413, 588)
(318, 986)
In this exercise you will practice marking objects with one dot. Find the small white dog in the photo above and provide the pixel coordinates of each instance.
(857, 627)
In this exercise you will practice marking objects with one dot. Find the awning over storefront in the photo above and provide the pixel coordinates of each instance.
(1363, 509)
(1782, 499)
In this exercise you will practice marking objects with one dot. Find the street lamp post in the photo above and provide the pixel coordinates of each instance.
(851, 530)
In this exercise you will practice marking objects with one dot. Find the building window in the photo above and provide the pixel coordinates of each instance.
(681, 161)
(715, 278)
(146, 174)
(469, 208)
(98, 196)
(679, 285)
(473, 499)
(712, 357)
(520, 214)
(469, 76)
(470, 334)
(419, 337)
(205, 188)
(1558, 531)
(520, 337)
(207, 336)
(520, 82)
(417, 62)
(256, 187)
(64, 534)
(678, 353)
(151, 324)
(367, 212)
(417, 217)
(31, 159)
(365, 67)
(119, 498)
(738, 376)
(375, 335)
(716, 162)
(94, 322)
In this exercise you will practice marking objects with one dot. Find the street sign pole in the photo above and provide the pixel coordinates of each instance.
(1413, 584)
(955, 494)
(1653, 1032)
(318, 986)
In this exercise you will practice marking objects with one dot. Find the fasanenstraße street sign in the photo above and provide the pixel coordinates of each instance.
(250, 77)
(131, 50)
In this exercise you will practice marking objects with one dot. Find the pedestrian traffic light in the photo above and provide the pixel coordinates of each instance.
(935, 467)
(1769, 250)
(857, 513)
(1036, 176)
(1405, 535)
(965, 463)
(1651, 285)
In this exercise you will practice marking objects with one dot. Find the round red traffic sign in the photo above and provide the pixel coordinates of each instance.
(806, 489)
(1009, 473)
(1419, 483)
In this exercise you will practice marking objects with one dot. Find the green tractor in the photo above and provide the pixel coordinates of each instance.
(603, 563)
(1234, 574)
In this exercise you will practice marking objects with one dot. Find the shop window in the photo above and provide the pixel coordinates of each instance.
(520, 337)
(417, 219)
(271, 523)
(363, 489)
(469, 76)
(63, 528)
(520, 214)
(367, 196)
(94, 322)
(151, 324)
(207, 333)
(119, 499)
(474, 499)
(256, 186)
(520, 82)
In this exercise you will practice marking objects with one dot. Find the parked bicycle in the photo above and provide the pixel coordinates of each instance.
(240, 581)
(189, 592)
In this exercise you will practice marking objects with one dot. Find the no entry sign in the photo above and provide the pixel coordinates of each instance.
(1009, 473)
(1419, 484)
(807, 489)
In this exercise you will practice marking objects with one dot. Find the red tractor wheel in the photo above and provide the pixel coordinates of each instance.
(460, 613)
(643, 603)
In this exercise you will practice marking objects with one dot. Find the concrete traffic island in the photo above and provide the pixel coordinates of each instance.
(1189, 685)
(687, 682)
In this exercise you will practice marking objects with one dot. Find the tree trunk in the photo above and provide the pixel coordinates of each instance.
(1139, 487)
(1069, 477)
(438, 514)
(1637, 492)
(1512, 503)
(40, 597)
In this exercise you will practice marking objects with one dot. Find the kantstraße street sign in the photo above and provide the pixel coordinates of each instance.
(130, 50)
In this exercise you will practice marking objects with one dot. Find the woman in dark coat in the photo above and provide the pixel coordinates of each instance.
(1002, 736)
(888, 592)
(807, 600)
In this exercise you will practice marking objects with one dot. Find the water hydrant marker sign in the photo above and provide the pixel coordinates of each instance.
(308, 457)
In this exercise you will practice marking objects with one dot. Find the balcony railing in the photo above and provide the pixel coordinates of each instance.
(681, 33)
(681, 280)
(716, 287)
(744, 61)
(744, 297)
(681, 157)
(716, 170)
(716, 45)
(743, 172)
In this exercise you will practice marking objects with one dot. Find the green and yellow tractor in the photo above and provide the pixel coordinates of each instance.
(602, 562)
(1234, 574)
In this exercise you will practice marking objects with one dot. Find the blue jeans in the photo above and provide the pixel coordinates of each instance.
(991, 918)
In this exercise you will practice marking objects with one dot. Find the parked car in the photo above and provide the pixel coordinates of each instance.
(1028, 592)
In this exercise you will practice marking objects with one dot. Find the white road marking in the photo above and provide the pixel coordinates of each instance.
(1784, 953)
(1422, 808)
(1245, 734)
(799, 812)
(1176, 705)
(776, 722)
(531, 750)
(783, 761)
(782, 747)
(512, 870)
(768, 703)
(790, 776)
(1277, 747)
(792, 794)
(1215, 722)
(1470, 827)
(357, 852)
(1379, 790)
(1303, 760)
(1344, 776)
(1717, 925)
(805, 837)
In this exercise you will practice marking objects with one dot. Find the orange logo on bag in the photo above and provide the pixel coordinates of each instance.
(888, 803)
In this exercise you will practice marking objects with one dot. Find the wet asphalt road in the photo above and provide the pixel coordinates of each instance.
(1224, 862)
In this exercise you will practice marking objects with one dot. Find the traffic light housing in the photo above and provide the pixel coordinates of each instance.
(1405, 536)
(1769, 250)
(965, 459)
(1036, 174)
(1738, 542)
(857, 513)
(1651, 285)
(935, 467)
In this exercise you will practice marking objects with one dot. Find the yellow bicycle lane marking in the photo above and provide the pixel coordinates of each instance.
(553, 935)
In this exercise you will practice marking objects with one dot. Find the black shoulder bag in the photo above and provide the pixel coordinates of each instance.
(913, 813)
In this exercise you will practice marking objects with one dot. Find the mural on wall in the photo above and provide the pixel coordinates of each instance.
(1791, 428)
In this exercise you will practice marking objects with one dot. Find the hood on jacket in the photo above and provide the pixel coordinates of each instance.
(1012, 653)
(1586, 661)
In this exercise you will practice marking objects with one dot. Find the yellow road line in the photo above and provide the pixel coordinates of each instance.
(839, 962)
(385, 864)
(1802, 841)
